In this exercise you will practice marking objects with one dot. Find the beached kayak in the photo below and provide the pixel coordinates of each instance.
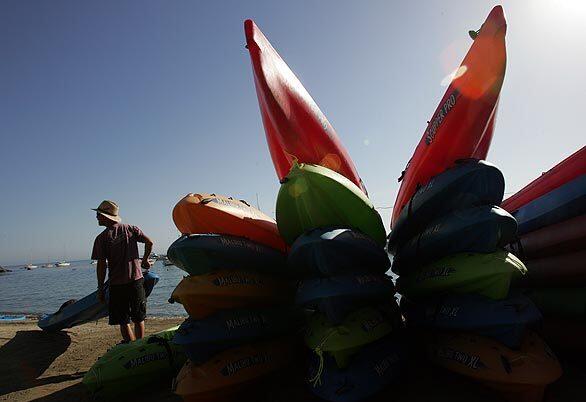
(476, 230)
(11, 318)
(133, 366)
(313, 196)
(359, 328)
(235, 373)
(204, 295)
(337, 296)
(461, 127)
(520, 375)
(559, 270)
(466, 185)
(489, 275)
(201, 339)
(565, 202)
(373, 368)
(295, 127)
(565, 171)
(561, 238)
(331, 251)
(200, 254)
(73, 313)
(560, 302)
(211, 213)
(504, 320)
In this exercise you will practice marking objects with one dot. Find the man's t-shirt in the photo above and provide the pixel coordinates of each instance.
(118, 245)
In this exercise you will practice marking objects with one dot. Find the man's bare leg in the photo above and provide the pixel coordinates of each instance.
(127, 333)
(139, 329)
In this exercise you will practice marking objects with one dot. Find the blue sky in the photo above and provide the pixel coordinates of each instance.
(144, 101)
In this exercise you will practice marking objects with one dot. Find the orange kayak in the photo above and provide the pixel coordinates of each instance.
(204, 295)
(211, 213)
(231, 374)
(520, 375)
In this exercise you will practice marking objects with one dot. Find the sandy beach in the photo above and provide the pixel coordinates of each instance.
(49, 367)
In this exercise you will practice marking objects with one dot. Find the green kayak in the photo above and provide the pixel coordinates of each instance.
(489, 275)
(359, 328)
(560, 302)
(132, 366)
(313, 196)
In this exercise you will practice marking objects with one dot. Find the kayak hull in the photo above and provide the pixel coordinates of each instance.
(211, 213)
(558, 302)
(87, 309)
(560, 270)
(313, 197)
(476, 230)
(204, 295)
(461, 127)
(467, 185)
(503, 320)
(332, 251)
(295, 127)
(565, 202)
(489, 275)
(130, 367)
(564, 172)
(205, 253)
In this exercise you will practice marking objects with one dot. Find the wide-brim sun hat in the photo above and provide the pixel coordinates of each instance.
(109, 209)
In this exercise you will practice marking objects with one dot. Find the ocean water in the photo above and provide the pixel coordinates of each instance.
(44, 290)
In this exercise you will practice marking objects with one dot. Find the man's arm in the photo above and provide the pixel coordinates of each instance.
(148, 247)
(101, 273)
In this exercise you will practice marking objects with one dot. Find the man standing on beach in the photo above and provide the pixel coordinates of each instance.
(116, 250)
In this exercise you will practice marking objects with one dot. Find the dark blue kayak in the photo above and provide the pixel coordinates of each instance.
(563, 203)
(335, 251)
(337, 296)
(371, 370)
(476, 230)
(503, 320)
(77, 312)
(200, 254)
(468, 184)
(201, 339)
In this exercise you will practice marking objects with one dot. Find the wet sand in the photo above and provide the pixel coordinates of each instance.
(49, 367)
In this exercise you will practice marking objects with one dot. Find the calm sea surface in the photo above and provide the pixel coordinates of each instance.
(43, 290)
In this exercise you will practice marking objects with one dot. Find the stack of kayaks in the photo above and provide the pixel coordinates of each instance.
(551, 211)
(336, 236)
(448, 237)
(241, 317)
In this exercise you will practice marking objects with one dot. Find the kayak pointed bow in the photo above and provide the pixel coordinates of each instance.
(462, 125)
(296, 129)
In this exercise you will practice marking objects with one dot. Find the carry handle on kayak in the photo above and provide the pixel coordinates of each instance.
(165, 343)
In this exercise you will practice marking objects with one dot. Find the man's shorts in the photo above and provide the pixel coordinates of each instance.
(127, 302)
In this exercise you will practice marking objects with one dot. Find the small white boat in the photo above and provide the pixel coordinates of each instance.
(30, 266)
(62, 264)
(48, 265)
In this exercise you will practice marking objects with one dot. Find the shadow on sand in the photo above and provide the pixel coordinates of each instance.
(26, 357)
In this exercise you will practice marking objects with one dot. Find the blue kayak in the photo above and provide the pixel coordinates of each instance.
(76, 312)
(201, 339)
(371, 370)
(468, 184)
(200, 254)
(565, 202)
(338, 295)
(476, 230)
(10, 318)
(503, 320)
(335, 251)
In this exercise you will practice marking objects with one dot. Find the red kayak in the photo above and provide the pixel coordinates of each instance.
(295, 127)
(565, 171)
(560, 238)
(463, 123)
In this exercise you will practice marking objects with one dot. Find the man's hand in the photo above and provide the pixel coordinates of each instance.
(101, 296)
(145, 263)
